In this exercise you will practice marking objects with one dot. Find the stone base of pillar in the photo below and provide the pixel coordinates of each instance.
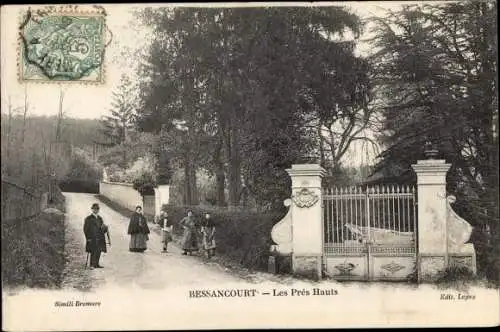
(464, 259)
(431, 267)
(308, 266)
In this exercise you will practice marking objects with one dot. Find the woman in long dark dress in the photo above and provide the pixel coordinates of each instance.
(138, 230)
(189, 238)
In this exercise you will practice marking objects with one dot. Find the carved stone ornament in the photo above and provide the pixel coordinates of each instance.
(305, 198)
(392, 267)
(345, 268)
(459, 230)
(281, 233)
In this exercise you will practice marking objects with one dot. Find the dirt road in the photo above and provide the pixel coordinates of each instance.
(151, 269)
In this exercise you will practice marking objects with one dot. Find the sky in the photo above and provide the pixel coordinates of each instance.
(94, 101)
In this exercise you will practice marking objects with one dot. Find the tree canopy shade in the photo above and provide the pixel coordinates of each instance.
(256, 89)
(436, 72)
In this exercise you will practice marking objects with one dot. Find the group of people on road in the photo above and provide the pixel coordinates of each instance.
(190, 235)
(96, 231)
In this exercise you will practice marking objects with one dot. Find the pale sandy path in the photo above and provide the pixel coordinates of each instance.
(150, 270)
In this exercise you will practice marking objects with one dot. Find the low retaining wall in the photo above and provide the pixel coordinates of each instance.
(121, 193)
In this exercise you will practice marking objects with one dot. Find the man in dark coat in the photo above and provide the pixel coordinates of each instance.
(95, 231)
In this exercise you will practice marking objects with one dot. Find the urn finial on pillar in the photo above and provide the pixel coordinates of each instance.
(430, 150)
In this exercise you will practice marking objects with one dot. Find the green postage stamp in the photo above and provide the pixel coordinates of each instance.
(62, 44)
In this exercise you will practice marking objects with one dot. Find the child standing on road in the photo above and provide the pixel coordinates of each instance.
(166, 229)
(208, 231)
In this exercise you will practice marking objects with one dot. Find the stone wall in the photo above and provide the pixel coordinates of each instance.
(121, 193)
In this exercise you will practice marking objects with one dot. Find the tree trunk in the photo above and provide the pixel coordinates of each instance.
(60, 115)
(187, 179)
(220, 176)
(234, 168)
(25, 113)
(192, 182)
(321, 147)
(190, 165)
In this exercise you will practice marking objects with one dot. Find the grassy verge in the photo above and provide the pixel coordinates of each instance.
(461, 279)
(33, 250)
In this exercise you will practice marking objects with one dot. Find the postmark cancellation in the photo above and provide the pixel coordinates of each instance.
(62, 44)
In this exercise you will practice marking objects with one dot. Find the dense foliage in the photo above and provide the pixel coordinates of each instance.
(145, 184)
(33, 250)
(84, 173)
(436, 74)
(116, 126)
(242, 237)
(244, 93)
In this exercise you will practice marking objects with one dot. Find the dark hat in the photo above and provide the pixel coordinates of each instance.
(138, 207)
(95, 206)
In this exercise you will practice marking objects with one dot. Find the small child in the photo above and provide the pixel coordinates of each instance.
(208, 231)
(166, 229)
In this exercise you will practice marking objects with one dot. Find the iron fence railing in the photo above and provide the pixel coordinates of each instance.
(379, 214)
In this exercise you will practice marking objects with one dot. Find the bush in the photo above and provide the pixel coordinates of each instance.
(83, 167)
(145, 184)
(79, 186)
(242, 237)
(456, 277)
(33, 250)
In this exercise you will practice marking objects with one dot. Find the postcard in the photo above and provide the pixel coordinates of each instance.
(199, 166)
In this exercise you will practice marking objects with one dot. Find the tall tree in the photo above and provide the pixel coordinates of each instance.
(236, 76)
(117, 125)
(60, 116)
(436, 70)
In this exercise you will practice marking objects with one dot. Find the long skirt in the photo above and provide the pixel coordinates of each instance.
(208, 242)
(138, 242)
(189, 240)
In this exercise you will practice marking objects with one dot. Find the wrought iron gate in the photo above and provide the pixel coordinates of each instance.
(370, 232)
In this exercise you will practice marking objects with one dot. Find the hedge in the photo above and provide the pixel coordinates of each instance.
(242, 237)
(79, 186)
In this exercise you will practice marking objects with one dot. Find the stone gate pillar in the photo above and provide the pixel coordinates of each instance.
(162, 196)
(306, 215)
(432, 218)
(157, 203)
